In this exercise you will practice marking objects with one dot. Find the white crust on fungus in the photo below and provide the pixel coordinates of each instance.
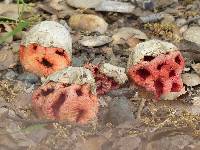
(115, 72)
(173, 95)
(73, 75)
(149, 48)
(49, 34)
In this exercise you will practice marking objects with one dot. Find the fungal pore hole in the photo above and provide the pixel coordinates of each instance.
(175, 87)
(59, 102)
(46, 63)
(143, 73)
(178, 60)
(80, 114)
(160, 66)
(61, 53)
(47, 92)
(35, 46)
(159, 87)
(148, 58)
(79, 92)
(172, 73)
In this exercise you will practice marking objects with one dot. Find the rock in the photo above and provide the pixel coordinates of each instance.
(180, 21)
(190, 79)
(7, 59)
(84, 3)
(94, 41)
(79, 61)
(87, 22)
(192, 34)
(113, 6)
(168, 19)
(164, 3)
(126, 34)
(196, 68)
(92, 143)
(127, 143)
(119, 111)
(10, 75)
(146, 4)
(28, 77)
(177, 142)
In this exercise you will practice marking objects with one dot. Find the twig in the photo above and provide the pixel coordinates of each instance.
(142, 103)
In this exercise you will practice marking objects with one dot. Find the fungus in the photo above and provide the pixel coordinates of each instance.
(107, 77)
(68, 95)
(46, 48)
(156, 65)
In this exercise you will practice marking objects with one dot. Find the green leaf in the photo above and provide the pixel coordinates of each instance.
(21, 25)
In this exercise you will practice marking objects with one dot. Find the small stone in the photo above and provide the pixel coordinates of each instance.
(192, 34)
(10, 75)
(180, 22)
(84, 3)
(28, 77)
(196, 68)
(190, 79)
(127, 143)
(168, 19)
(94, 41)
(119, 111)
(177, 142)
(87, 22)
(113, 6)
(7, 59)
(126, 34)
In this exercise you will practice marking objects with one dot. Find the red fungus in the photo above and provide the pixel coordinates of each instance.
(159, 74)
(104, 83)
(43, 61)
(59, 101)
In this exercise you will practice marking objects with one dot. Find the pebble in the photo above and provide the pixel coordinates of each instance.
(84, 3)
(180, 21)
(7, 59)
(87, 22)
(113, 6)
(125, 34)
(10, 75)
(191, 79)
(119, 111)
(28, 77)
(196, 68)
(176, 142)
(192, 34)
(95, 41)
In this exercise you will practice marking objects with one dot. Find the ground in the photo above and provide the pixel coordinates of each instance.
(128, 119)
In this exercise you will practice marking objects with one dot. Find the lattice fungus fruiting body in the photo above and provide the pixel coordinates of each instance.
(156, 65)
(60, 99)
(46, 48)
(107, 77)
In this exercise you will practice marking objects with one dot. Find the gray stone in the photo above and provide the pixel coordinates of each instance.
(28, 77)
(192, 35)
(10, 75)
(119, 111)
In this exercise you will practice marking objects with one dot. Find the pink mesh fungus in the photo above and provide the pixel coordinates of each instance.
(43, 61)
(160, 74)
(104, 83)
(74, 103)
